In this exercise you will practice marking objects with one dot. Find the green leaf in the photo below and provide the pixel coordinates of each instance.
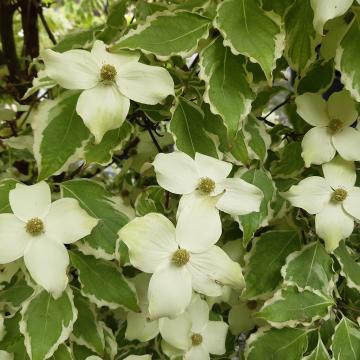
(350, 269)
(150, 200)
(267, 256)
(290, 307)
(103, 283)
(59, 134)
(16, 293)
(166, 34)
(346, 341)
(252, 32)
(5, 187)
(98, 203)
(81, 352)
(290, 163)
(310, 268)
(277, 344)
(227, 88)
(13, 341)
(116, 18)
(347, 57)
(63, 353)
(113, 140)
(279, 6)
(319, 353)
(87, 331)
(318, 78)
(256, 137)
(76, 39)
(300, 30)
(46, 323)
(187, 125)
(251, 222)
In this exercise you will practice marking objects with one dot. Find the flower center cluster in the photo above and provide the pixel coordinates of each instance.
(206, 185)
(34, 226)
(108, 73)
(196, 339)
(180, 257)
(335, 126)
(339, 195)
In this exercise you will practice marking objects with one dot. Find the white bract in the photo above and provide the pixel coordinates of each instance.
(333, 199)
(332, 131)
(139, 326)
(109, 81)
(193, 333)
(38, 230)
(206, 189)
(179, 263)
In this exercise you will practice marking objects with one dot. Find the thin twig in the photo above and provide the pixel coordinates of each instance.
(46, 26)
(277, 107)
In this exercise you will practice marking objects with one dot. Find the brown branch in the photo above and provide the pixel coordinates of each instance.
(8, 40)
(46, 26)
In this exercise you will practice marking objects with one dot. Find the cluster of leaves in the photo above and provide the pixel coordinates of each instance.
(237, 66)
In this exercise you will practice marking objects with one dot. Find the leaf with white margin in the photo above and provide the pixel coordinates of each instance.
(111, 346)
(227, 84)
(279, 6)
(310, 268)
(63, 353)
(15, 294)
(87, 330)
(290, 307)
(346, 341)
(5, 187)
(113, 140)
(59, 134)
(279, 344)
(319, 353)
(268, 254)
(46, 323)
(300, 30)
(251, 222)
(350, 269)
(13, 341)
(256, 137)
(166, 34)
(96, 201)
(325, 10)
(187, 126)
(347, 59)
(250, 31)
(103, 283)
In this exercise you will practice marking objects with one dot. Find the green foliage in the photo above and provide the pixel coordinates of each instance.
(220, 78)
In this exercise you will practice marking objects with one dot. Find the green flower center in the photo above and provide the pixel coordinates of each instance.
(339, 195)
(335, 126)
(180, 257)
(34, 226)
(196, 339)
(108, 73)
(206, 185)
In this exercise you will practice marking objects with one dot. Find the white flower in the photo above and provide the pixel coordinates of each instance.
(109, 81)
(193, 333)
(38, 230)
(333, 199)
(206, 190)
(179, 263)
(139, 326)
(332, 131)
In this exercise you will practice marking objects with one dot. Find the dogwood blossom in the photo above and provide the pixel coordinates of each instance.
(333, 199)
(193, 333)
(178, 263)
(139, 326)
(206, 189)
(38, 230)
(109, 81)
(332, 131)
